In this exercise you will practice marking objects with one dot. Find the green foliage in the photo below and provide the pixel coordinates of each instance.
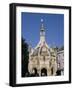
(25, 58)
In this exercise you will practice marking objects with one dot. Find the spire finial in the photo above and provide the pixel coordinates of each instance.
(42, 26)
(42, 31)
(41, 20)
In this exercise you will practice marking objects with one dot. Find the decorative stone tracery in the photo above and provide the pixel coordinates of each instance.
(42, 59)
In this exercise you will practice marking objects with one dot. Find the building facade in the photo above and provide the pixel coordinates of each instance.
(42, 59)
(60, 61)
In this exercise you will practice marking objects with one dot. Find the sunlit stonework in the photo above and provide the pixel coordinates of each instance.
(42, 59)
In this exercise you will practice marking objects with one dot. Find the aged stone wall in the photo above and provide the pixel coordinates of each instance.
(44, 60)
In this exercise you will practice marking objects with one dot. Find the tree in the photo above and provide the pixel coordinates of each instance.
(25, 58)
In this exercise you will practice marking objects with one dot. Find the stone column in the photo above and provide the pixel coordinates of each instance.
(49, 72)
(39, 72)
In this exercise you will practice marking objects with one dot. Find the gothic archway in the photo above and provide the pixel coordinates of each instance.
(43, 72)
(52, 71)
(35, 70)
(35, 73)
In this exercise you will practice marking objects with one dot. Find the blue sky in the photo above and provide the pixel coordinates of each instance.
(53, 24)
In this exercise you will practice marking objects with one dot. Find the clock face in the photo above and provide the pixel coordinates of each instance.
(42, 33)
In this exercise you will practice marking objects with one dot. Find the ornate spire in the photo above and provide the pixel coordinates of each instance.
(42, 32)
